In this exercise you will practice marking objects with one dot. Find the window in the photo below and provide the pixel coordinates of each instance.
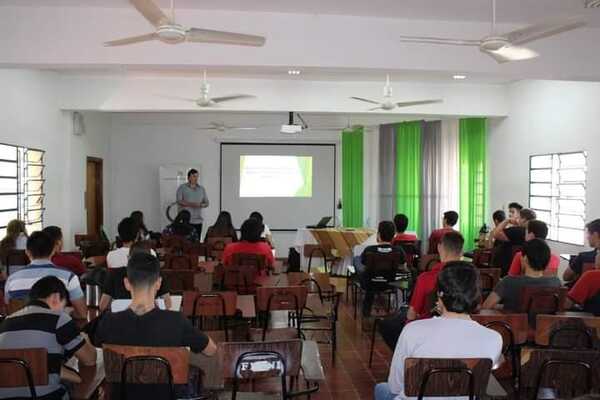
(557, 185)
(21, 187)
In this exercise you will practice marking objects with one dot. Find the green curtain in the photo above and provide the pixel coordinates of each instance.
(352, 178)
(473, 177)
(408, 172)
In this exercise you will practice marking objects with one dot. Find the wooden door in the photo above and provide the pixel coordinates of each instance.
(93, 195)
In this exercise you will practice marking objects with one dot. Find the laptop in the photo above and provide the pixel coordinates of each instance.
(322, 223)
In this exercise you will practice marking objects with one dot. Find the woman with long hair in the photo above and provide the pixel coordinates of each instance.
(15, 239)
(223, 227)
(265, 231)
(138, 217)
(181, 227)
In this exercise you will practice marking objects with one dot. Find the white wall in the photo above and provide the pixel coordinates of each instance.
(545, 117)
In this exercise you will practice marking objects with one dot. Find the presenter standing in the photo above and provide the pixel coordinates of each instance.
(192, 197)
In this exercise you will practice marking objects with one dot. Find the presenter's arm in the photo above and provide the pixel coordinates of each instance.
(205, 202)
(181, 202)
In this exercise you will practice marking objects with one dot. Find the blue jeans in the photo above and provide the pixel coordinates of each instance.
(382, 392)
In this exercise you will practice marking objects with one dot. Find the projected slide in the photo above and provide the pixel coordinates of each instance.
(275, 176)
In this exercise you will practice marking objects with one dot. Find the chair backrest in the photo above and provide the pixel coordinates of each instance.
(216, 246)
(291, 298)
(536, 300)
(181, 261)
(567, 331)
(382, 265)
(176, 244)
(15, 260)
(15, 305)
(240, 279)
(412, 250)
(146, 372)
(82, 237)
(93, 249)
(198, 250)
(249, 260)
(178, 281)
(489, 278)
(446, 377)
(209, 304)
(23, 368)
(518, 322)
(482, 257)
(290, 350)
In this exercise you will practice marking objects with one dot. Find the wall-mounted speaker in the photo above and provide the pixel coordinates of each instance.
(78, 123)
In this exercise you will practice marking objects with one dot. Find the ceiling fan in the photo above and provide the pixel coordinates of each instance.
(223, 127)
(388, 104)
(168, 31)
(506, 47)
(206, 101)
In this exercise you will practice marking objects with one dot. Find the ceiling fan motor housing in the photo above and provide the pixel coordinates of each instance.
(171, 33)
(493, 43)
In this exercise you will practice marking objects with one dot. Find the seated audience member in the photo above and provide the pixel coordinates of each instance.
(421, 302)
(40, 248)
(223, 227)
(143, 232)
(265, 231)
(66, 261)
(586, 291)
(42, 323)
(144, 324)
(453, 335)
(536, 256)
(128, 233)
(250, 242)
(385, 234)
(114, 286)
(514, 209)
(587, 257)
(181, 226)
(449, 221)
(15, 239)
(497, 217)
(401, 223)
(509, 233)
(536, 229)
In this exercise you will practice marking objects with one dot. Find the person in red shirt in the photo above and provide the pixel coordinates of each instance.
(449, 221)
(65, 261)
(535, 229)
(450, 249)
(586, 291)
(401, 222)
(250, 242)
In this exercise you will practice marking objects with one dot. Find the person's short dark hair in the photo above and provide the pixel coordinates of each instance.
(386, 230)
(499, 216)
(191, 172)
(54, 232)
(515, 205)
(251, 230)
(451, 217)
(128, 229)
(528, 214)
(537, 253)
(257, 216)
(46, 287)
(143, 269)
(401, 222)
(458, 287)
(142, 246)
(40, 244)
(538, 228)
(453, 242)
(593, 227)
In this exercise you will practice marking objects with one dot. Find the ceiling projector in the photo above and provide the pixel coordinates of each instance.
(291, 128)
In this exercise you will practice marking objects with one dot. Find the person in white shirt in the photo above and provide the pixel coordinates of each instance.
(128, 232)
(452, 335)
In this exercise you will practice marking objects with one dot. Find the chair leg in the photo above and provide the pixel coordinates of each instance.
(373, 341)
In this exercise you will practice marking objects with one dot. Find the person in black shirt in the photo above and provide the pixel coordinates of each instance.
(510, 236)
(575, 268)
(144, 324)
(385, 234)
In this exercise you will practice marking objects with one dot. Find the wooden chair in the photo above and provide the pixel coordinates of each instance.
(571, 372)
(146, 365)
(412, 250)
(567, 331)
(216, 246)
(488, 279)
(82, 237)
(482, 258)
(175, 244)
(198, 250)
(239, 278)
(15, 260)
(536, 300)
(245, 260)
(427, 261)
(317, 251)
(201, 307)
(446, 377)
(24, 368)
(176, 261)
(94, 249)
(252, 361)
(178, 280)
(286, 298)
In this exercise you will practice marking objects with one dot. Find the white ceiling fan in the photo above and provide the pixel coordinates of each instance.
(388, 104)
(168, 31)
(506, 47)
(223, 127)
(206, 101)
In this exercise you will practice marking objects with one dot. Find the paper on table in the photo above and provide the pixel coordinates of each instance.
(122, 304)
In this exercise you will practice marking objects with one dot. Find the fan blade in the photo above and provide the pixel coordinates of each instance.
(365, 100)
(179, 98)
(231, 97)
(376, 108)
(132, 39)
(436, 40)
(543, 29)
(210, 36)
(417, 103)
(511, 53)
(150, 11)
(241, 128)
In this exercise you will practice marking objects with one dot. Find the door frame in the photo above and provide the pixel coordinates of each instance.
(99, 193)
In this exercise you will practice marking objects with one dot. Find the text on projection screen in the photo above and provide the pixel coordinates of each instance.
(275, 176)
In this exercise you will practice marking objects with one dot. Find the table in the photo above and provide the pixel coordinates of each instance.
(245, 304)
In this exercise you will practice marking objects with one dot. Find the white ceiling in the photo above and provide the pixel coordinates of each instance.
(446, 10)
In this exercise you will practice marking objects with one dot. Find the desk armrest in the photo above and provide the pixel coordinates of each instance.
(312, 368)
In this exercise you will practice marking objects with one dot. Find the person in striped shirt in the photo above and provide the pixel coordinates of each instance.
(40, 248)
(42, 323)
